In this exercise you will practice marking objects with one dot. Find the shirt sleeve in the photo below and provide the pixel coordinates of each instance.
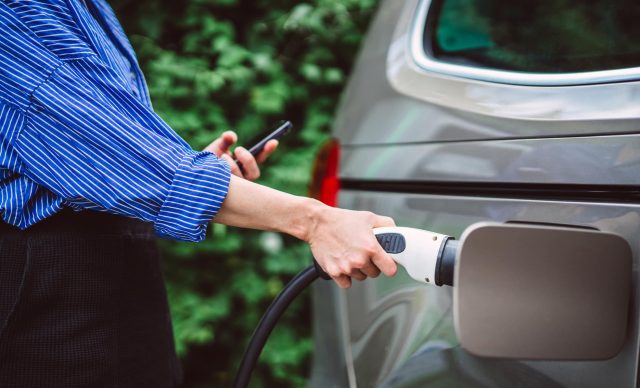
(98, 147)
(88, 140)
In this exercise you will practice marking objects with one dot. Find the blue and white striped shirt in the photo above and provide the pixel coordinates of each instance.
(77, 128)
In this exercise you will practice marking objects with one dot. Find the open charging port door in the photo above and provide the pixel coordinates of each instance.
(532, 291)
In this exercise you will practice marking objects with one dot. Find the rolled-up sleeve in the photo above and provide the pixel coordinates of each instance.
(184, 213)
(99, 148)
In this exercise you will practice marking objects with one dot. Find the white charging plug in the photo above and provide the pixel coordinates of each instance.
(418, 251)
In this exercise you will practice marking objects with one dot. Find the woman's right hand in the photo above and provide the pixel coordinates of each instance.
(343, 244)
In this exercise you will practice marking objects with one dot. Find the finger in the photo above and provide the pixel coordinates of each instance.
(249, 166)
(235, 170)
(370, 270)
(358, 275)
(223, 143)
(384, 262)
(343, 281)
(268, 149)
(381, 221)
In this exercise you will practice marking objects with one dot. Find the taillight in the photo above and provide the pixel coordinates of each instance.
(325, 183)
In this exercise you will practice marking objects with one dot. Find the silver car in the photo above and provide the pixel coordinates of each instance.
(464, 111)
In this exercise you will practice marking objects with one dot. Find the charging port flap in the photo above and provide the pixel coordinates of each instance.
(545, 292)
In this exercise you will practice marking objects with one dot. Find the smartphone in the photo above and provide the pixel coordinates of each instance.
(280, 130)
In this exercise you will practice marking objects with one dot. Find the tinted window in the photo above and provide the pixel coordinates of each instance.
(546, 36)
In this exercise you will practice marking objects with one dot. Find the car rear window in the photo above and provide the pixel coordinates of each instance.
(541, 36)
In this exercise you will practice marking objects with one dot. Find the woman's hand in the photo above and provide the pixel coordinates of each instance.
(221, 147)
(343, 243)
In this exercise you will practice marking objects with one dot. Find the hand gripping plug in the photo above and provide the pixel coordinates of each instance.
(428, 257)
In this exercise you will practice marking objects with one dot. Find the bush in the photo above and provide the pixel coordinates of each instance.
(214, 65)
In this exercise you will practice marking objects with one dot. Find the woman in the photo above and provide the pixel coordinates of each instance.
(89, 175)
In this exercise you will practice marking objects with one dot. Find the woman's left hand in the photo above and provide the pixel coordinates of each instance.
(221, 147)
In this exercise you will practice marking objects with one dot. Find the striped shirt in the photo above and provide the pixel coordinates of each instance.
(77, 128)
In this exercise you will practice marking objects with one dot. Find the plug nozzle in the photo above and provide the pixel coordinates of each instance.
(446, 262)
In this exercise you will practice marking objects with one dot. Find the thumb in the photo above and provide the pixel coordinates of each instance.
(222, 144)
(380, 221)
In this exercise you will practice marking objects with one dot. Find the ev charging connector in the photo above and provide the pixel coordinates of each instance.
(427, 256)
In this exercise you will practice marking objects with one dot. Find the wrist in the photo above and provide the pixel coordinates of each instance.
(307, 216)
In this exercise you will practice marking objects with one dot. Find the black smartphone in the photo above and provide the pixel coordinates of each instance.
(280, 130)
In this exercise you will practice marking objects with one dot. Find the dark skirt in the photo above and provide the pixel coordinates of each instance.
(83, 304)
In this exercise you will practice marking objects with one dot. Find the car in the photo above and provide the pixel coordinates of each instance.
(467, 111)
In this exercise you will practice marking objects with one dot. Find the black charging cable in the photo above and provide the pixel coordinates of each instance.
(268, 321)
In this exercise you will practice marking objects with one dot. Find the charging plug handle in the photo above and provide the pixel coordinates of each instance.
(427, 257)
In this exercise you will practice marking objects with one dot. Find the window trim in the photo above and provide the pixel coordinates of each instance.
(429, 64)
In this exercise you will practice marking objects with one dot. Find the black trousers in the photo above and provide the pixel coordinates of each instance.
(83, 304)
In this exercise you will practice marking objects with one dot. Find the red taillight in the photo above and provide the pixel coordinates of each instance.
(325, 183)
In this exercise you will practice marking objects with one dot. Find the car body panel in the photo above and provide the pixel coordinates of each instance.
(442, 152)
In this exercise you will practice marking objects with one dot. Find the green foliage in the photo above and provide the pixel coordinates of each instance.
(214, 65)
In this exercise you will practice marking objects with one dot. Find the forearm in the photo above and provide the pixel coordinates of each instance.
(250, 205)
(342, 241)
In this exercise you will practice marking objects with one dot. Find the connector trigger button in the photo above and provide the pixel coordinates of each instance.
(392, 242)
